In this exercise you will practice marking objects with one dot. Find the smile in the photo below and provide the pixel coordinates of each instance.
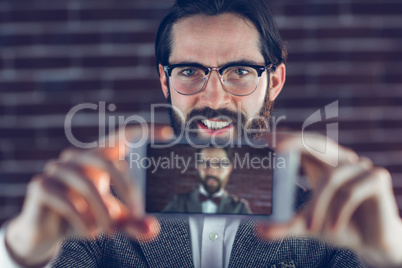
(212, 124)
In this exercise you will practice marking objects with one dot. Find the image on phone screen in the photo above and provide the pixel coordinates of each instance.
(183, 179)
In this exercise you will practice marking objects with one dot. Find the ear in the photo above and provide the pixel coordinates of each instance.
(163, 80)
(277, 81)
(230, 168)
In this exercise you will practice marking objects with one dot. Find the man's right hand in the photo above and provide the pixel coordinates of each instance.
(72, 197)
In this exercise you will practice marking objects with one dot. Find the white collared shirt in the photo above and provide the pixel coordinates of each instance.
(212, 240)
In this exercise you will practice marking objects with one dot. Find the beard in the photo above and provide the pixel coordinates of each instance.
(209, 188)
(257, 123)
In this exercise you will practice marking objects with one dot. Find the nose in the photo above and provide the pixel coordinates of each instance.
(214, 94)
(214, 170)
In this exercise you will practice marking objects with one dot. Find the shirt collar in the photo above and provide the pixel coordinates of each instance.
(202, 191)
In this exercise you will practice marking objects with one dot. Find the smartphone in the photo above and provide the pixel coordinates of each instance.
(238, 180)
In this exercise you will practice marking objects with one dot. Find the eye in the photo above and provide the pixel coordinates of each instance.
(241, 71)
(188, 71)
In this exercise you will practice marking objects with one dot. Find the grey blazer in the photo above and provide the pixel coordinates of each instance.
(172, 248)
(190, 202)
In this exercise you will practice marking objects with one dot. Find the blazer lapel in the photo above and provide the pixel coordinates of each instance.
(194, 204)
(225, 201)
(172, 247)
(250, 250)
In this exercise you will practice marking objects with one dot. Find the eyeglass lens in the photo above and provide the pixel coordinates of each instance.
(238, 80)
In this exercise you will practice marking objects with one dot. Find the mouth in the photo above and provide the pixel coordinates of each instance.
(212, 182)
(214, 126)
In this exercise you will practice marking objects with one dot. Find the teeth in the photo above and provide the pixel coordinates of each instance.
(214, 124)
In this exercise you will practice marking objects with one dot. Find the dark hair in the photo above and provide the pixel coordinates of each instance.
(272, 46)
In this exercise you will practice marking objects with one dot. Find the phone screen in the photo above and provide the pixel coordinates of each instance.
(183, 179)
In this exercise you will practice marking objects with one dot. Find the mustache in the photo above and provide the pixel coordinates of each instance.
(224, 113)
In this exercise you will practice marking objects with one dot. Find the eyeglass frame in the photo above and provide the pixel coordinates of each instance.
(208, 70)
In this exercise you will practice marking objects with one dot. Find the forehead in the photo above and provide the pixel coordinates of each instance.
(215, 40)
(214, 152)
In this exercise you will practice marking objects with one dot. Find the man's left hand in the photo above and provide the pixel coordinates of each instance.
(352, 205)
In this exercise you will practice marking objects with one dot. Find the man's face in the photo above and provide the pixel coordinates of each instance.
(215, 41)
(214, 169)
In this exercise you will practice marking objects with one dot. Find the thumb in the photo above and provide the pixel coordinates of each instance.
(120, 143)
(146, 229)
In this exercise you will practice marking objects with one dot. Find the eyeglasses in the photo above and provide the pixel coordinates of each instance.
(239, 80)
(223, 163)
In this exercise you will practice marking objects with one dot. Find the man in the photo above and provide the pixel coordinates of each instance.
(233, 54)
(214, 168)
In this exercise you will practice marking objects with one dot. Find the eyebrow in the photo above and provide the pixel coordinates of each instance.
(237, 62)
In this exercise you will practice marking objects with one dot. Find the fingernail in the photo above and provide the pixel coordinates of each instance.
(137, 227)
(263, 230)
(167, 133)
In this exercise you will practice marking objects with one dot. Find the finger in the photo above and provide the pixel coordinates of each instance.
(318, 209)
(92, 163)
(349, 198)
(96, 166)
(144, 230)
(72, 176)
(307, 142)
(54, 195)
(120, 143)
(320, 204)
(354, 214)
(368, 188)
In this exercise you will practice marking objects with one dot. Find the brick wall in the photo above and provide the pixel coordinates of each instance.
(57, 54)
